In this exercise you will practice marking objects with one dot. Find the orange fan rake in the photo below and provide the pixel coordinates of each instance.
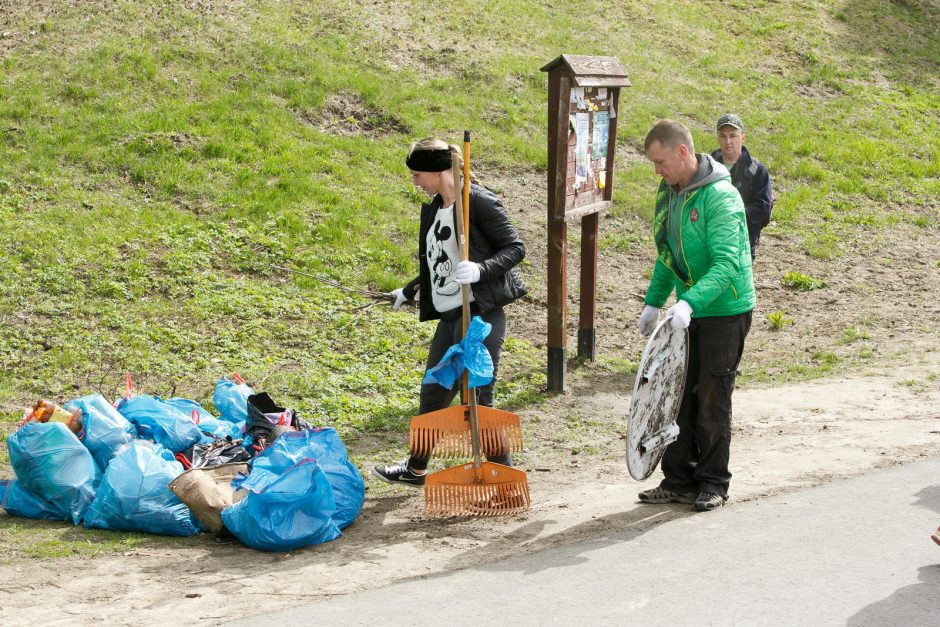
(446, 432)
(488, 490)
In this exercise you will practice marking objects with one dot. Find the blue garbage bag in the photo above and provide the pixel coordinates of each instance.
(207, 422)
(18, 501)
(134, 495)
(105, 432)
(284, 512)
(325, 446)
(231, 400)
(188, 406)
(255, 480)
(470, 354)
(51, 463)
(160, 422)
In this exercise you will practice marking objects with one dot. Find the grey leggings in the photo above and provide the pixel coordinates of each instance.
(434, 396)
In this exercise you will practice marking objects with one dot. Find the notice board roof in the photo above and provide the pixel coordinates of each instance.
(591, 71)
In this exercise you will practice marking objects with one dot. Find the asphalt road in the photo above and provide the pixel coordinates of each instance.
(853, 552)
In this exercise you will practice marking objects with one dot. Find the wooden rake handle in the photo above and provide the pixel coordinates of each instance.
(462, 204)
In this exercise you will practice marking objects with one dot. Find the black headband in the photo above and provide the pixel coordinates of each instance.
(435, 160)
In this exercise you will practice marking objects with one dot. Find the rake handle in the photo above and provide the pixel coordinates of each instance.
(463, 233)
(462, 205)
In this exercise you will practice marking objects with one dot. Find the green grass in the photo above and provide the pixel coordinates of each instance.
(49, 540)
(812, 366)
(157, 160)
(617, 365)
(778, 320)
(850, 335)
(801, 282)
(918, 386)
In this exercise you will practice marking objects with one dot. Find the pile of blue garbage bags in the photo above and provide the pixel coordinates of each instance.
(114, 473)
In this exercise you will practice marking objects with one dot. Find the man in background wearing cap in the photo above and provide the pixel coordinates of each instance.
(748, 175)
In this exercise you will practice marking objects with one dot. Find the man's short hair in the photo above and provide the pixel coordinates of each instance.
(670, 134)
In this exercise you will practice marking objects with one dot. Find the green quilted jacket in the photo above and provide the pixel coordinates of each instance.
(713, 271)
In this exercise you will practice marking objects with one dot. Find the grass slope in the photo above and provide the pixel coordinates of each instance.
(157, 159)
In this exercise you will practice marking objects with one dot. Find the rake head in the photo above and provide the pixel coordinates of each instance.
(446, 433)
(491, 490)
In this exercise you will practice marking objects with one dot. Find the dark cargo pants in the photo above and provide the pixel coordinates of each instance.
(715, 348)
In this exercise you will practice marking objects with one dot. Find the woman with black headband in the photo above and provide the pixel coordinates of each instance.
(495, 250)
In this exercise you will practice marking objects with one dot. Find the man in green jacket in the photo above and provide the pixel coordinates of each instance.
(703, 254)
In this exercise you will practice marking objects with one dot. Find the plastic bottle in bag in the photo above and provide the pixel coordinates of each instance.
(47, 411)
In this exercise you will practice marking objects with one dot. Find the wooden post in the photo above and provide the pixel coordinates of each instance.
(586, 331)
(580, 186)
(559, 90)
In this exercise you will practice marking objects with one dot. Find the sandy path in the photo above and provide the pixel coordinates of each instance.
(786, 438)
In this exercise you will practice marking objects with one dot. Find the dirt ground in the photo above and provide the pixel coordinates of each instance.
(786, 436)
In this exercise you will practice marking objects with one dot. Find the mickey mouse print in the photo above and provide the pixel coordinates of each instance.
(442, 259)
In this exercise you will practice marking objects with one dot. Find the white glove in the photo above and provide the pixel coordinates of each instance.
(681, 314)
(400, 298)
(467, 272)
(648, 320)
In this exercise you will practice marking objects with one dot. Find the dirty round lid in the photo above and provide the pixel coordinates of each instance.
(657, 394)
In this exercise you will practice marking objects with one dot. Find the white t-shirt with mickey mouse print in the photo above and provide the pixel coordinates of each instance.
(442, 258)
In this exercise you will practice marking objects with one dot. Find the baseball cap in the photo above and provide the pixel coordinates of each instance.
(730, 119)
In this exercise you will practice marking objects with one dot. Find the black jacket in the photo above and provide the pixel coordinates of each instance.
(752, 181)
(494, 244)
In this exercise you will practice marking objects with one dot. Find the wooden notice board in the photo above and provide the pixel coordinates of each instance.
(583, 108)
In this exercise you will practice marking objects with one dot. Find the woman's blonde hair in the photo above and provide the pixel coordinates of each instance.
(433, 143)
